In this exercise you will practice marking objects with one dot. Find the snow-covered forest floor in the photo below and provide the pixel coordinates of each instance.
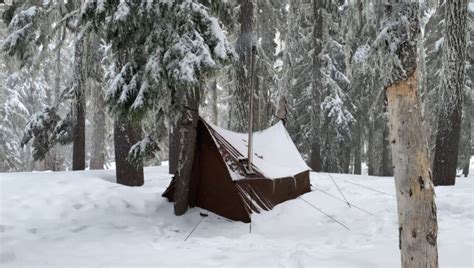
(84, 219)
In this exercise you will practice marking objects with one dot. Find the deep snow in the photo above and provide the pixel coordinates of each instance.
(84, 219)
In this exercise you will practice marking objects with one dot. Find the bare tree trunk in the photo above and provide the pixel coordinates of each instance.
(449, 119)
(415, 192)
(187, 143)
(417, 220)
(126, 133)
(79, 106)
(318, 10)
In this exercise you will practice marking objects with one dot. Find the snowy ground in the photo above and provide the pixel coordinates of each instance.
(84, 219)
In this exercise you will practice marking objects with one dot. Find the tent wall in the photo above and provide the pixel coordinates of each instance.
(216, 191)
(264, 194)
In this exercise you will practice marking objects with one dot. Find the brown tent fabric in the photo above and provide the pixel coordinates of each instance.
(216, 162)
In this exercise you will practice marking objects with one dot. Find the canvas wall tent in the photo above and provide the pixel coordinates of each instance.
(220, 184)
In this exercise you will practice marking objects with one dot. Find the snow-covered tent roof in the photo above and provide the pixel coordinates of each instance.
(275, 154)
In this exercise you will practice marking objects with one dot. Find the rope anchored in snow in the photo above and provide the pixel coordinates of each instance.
(324, 213)
(339, 189)
(367, 187)
(203, 216)
(335, 197)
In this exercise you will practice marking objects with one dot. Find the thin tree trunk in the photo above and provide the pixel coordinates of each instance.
(315, 161)
(415, 192)
(386, 164)
(449, 119)
(174, 148)
(370, 149)
(187, 142)
(79, 105)
(467, 129)
(358, 147)
(215, 111)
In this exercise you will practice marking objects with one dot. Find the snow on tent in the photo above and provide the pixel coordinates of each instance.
(220, 183)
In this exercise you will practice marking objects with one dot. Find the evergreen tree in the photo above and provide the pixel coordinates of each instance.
(175, 45)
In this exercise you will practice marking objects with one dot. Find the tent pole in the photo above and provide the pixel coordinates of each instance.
(250, 139)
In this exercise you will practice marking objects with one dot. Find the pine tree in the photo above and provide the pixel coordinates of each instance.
(165, 69)
(33, 26)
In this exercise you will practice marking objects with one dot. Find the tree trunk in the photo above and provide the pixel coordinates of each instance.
(417, 220)
(215, 111)
(126, 133)
(96, 83)
(187, 142)
(174, 148)
(79, 105)
(466, 143)
(386, 165)
(315, 161)
(346, 158)
(358, 147)
(415, 192)
(370, 148)
(97, 160)
(239, 103)
(449, 119)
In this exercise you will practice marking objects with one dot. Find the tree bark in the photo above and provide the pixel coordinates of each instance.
(449, 119)
(415, 192)
(95, 74)
(97, 160)
(215, 111)
(315, 161)
(386, 165)
(174, 148)
(370, 148)
(126, 133)
(417, 220)
(239, 104)
(358, 147)
(79, 105)
(187, 144)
